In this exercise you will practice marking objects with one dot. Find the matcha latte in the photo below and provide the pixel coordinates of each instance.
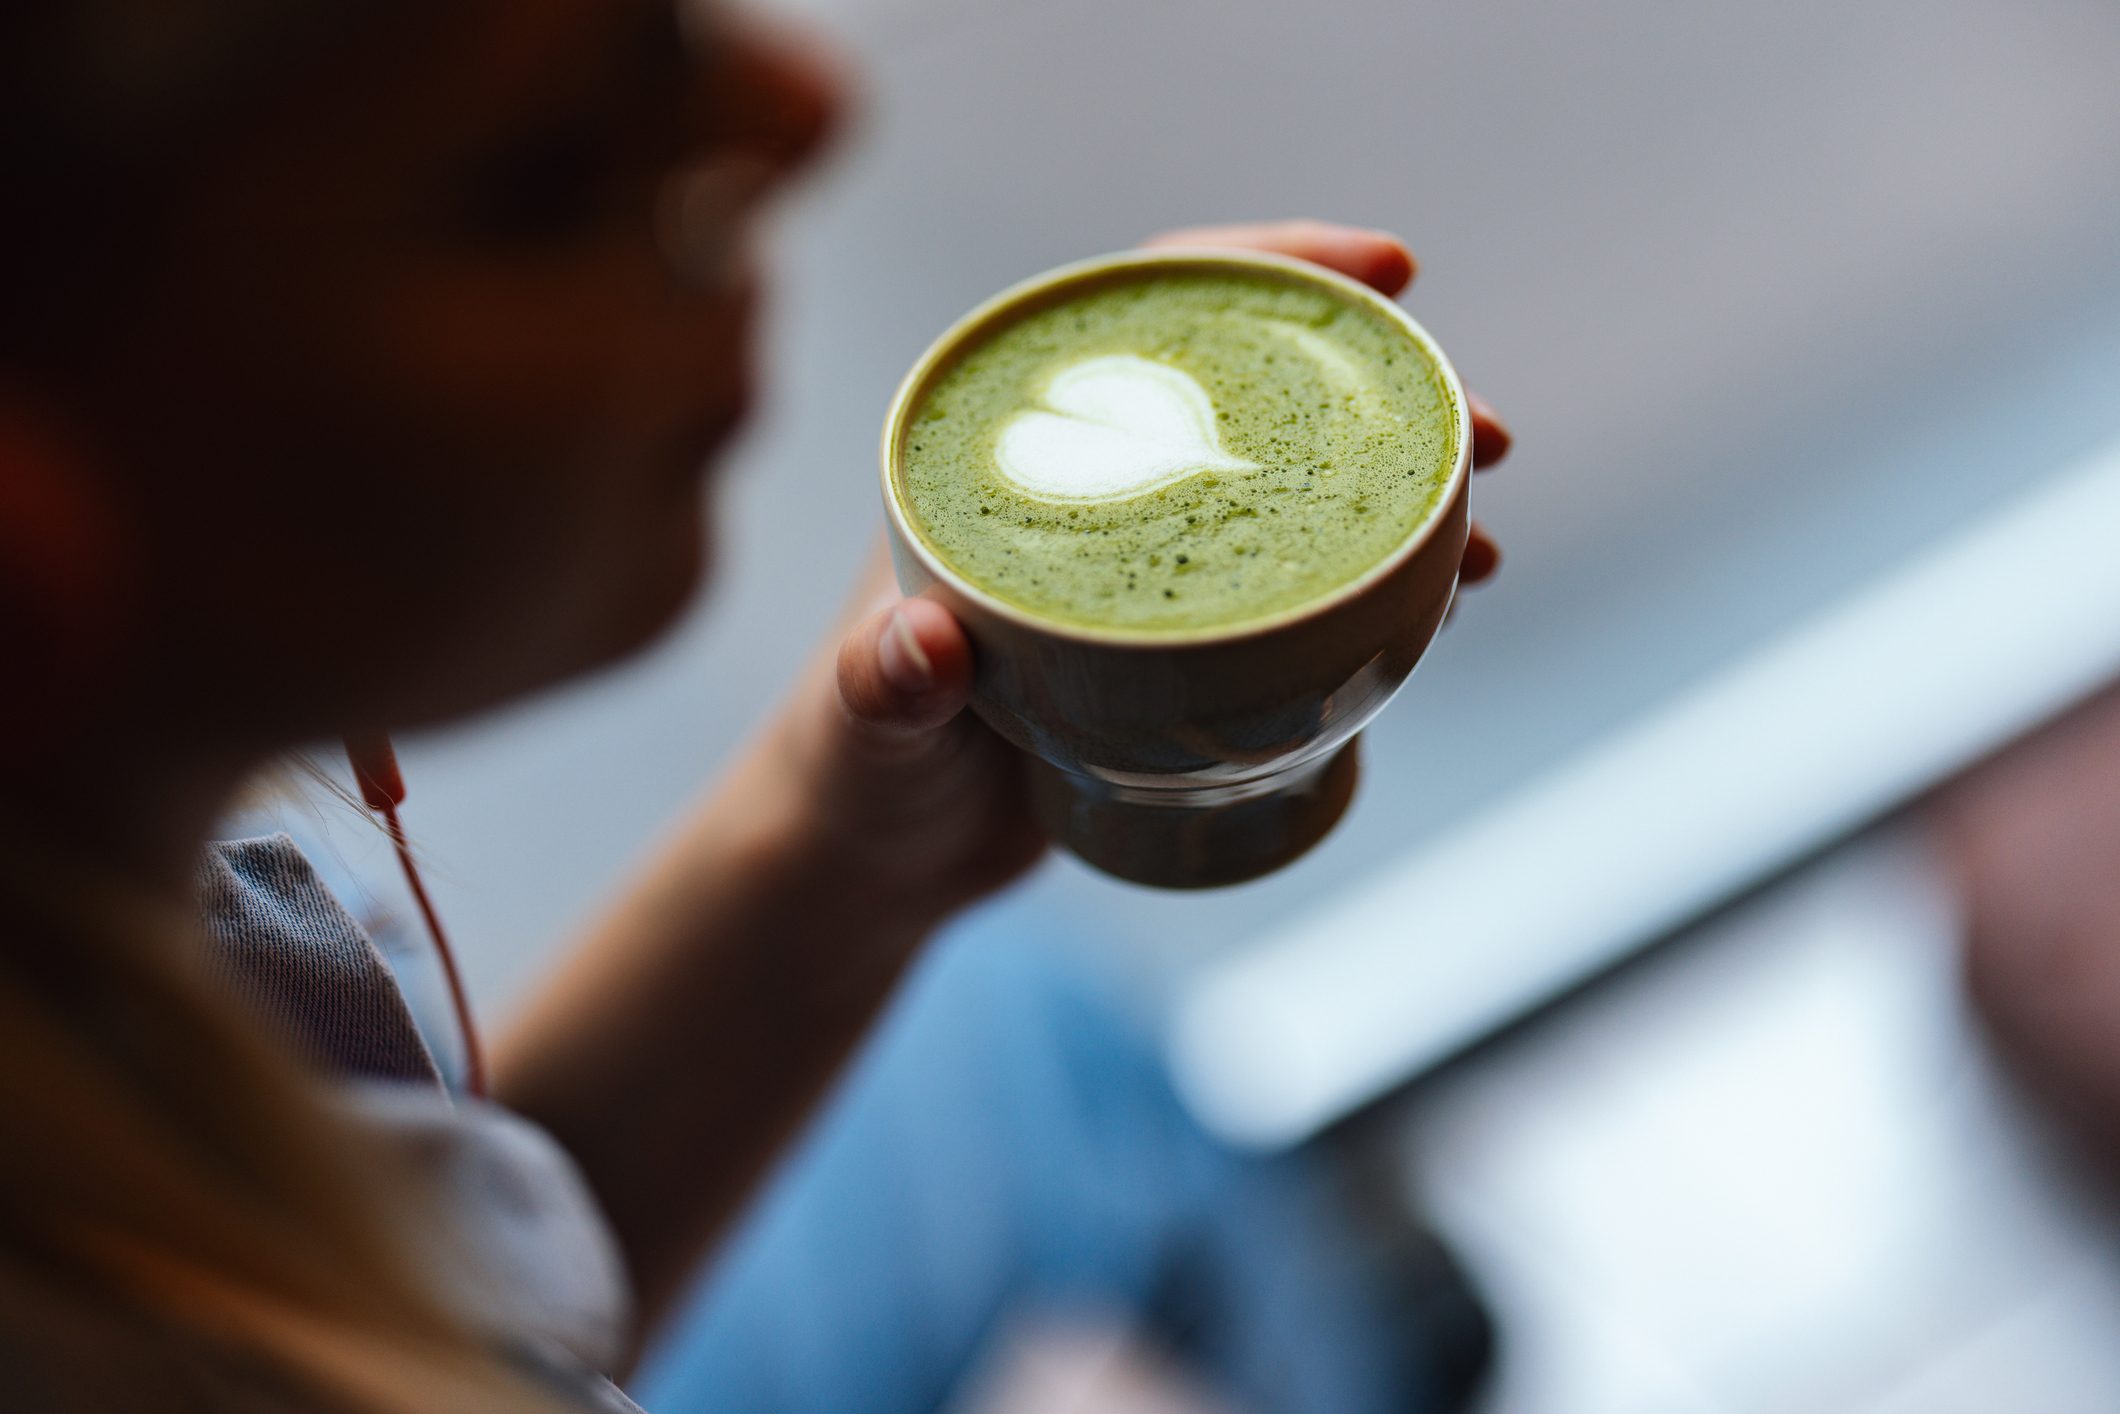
(1176, 451)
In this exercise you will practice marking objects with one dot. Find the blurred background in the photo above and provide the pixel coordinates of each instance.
(1774, 297)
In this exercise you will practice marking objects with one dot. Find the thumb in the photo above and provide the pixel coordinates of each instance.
(905, 671)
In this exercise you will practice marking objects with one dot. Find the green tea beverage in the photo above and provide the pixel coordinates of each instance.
(1180, 451)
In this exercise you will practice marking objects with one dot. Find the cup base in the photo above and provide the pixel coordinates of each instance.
(1192, 840)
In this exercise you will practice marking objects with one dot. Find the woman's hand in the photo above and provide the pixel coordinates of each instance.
(928, 806)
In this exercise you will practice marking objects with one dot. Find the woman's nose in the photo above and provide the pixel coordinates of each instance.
(777, 91)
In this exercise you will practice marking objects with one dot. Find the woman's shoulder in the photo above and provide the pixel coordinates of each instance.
(281, 940)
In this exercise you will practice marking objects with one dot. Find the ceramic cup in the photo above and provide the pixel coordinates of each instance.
(1207, 757)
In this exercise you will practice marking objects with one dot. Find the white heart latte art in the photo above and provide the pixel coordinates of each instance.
(1113, 427)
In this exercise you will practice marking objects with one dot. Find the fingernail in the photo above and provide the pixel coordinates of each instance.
(905, 663)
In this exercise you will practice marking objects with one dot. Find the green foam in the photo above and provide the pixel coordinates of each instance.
(1347, 417)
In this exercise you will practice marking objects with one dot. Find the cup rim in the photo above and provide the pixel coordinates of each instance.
(993, 309)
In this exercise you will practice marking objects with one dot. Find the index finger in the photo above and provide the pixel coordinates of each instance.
(1376, 258)
(1490, 435)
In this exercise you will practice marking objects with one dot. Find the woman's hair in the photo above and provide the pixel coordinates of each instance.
(186, 1219)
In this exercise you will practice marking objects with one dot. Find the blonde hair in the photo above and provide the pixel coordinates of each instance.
(185, 1218)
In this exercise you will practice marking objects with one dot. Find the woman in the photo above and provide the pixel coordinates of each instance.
(359, 364)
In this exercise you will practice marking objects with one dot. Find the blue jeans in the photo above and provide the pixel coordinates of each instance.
(1009, 1143)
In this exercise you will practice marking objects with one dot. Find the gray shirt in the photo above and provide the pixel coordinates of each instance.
(533, 1263)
